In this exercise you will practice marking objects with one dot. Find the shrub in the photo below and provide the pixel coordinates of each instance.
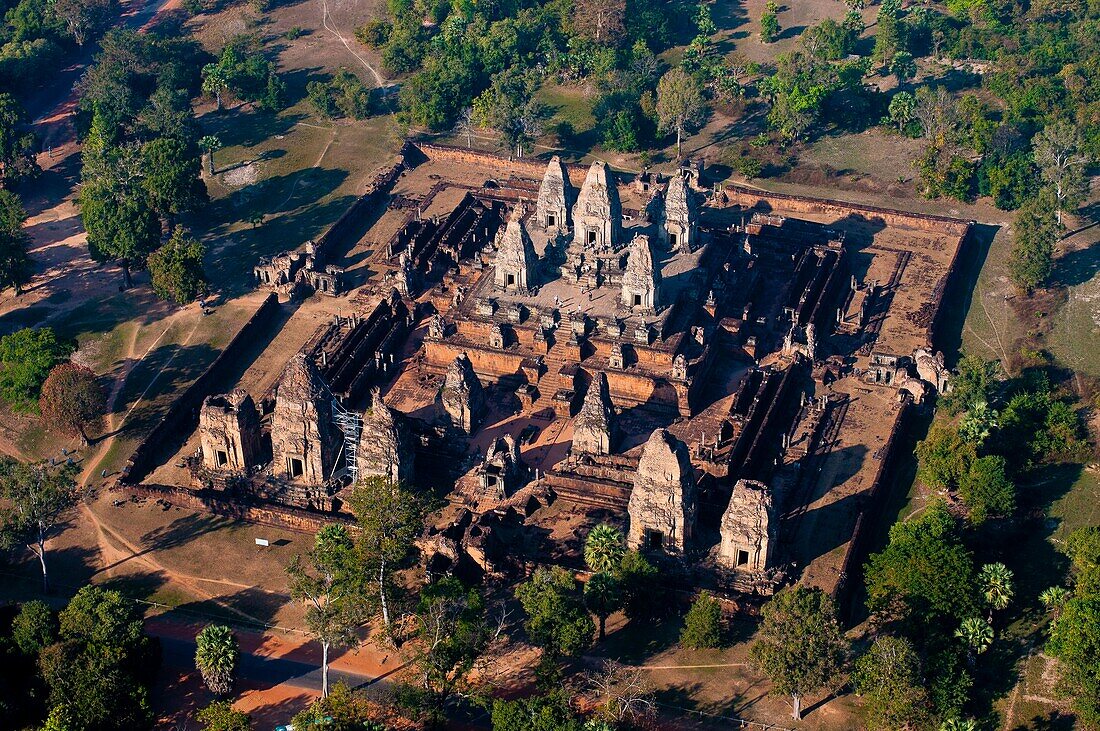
(702, 624)
(375, 33)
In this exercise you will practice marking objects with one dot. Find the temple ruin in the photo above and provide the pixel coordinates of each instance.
(720, 371)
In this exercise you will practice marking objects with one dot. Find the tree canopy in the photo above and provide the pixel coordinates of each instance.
(800, 646)
(26, 358)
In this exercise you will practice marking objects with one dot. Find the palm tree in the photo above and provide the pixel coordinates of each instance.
(216, 658)
(604, 548)
(208, 144)
(978, 636)
(957, 724)
(996, 579)
(602, 596)
(1054, 598)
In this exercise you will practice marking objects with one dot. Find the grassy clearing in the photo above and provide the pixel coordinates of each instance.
(300, 174)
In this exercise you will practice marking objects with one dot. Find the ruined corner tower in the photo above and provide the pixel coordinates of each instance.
(662, 504)
(304, 441)
(384, 448)
(748, 528)
(229, 429)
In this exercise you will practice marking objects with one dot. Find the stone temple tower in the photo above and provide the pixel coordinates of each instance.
(515, 265)
(642, 278)
(748, 528)
(461, 401)
(598, 215)
(384, 448)
(662, 504)
(594, 427)
(555, 197)
(304, 441)
(229, 429)
(681, 215)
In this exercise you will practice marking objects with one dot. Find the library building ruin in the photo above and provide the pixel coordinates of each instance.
(719, 371)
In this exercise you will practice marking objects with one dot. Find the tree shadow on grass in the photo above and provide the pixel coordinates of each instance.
(244, 127)
(641, 639)
(1053, 721)
(251, 608)
(1077, 267)
(230, 265)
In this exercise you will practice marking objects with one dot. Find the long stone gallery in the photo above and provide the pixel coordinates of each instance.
(720, 371)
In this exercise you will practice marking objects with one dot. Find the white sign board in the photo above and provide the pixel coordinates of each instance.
(262, 542)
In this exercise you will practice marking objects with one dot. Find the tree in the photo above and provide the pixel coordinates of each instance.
(72, 399)
(15, 265)
(1075, 641)
(903, 67)
(465, 126)
(171, 176)
(769, 23)
(602, 596)
(600, 21)
(121, 224)
(537, 713)
(215, 81)
(102, 664)
(938, 113)
(800, 646)
(624, 694)
(641, 586)
(987, 490)
(175, 269)
(16, 141)
(888, 33)
(26, 358)
(1054, 598)
(390, 518)
(342, 710)
(1062, 164)
(83, 18)
(34, 628)
(977, 635)
(604, 548)
(680, 104)
(329, 581)
(958, 724)
(703, 624)
(344, 95)
(888, 676)
(209, 145)
(38, 495)
(452, 634)
(944, 457)
(996, 583)
(222, 716)
(556, 618)
(978, 424)
(1035, 232)
(901, 109)
(510, 107)
(216, 654)
(974, 384)
(924, 571)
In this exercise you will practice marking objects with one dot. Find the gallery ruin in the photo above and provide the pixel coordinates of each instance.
(720, 371)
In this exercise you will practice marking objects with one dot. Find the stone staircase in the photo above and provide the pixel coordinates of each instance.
(552, 381)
